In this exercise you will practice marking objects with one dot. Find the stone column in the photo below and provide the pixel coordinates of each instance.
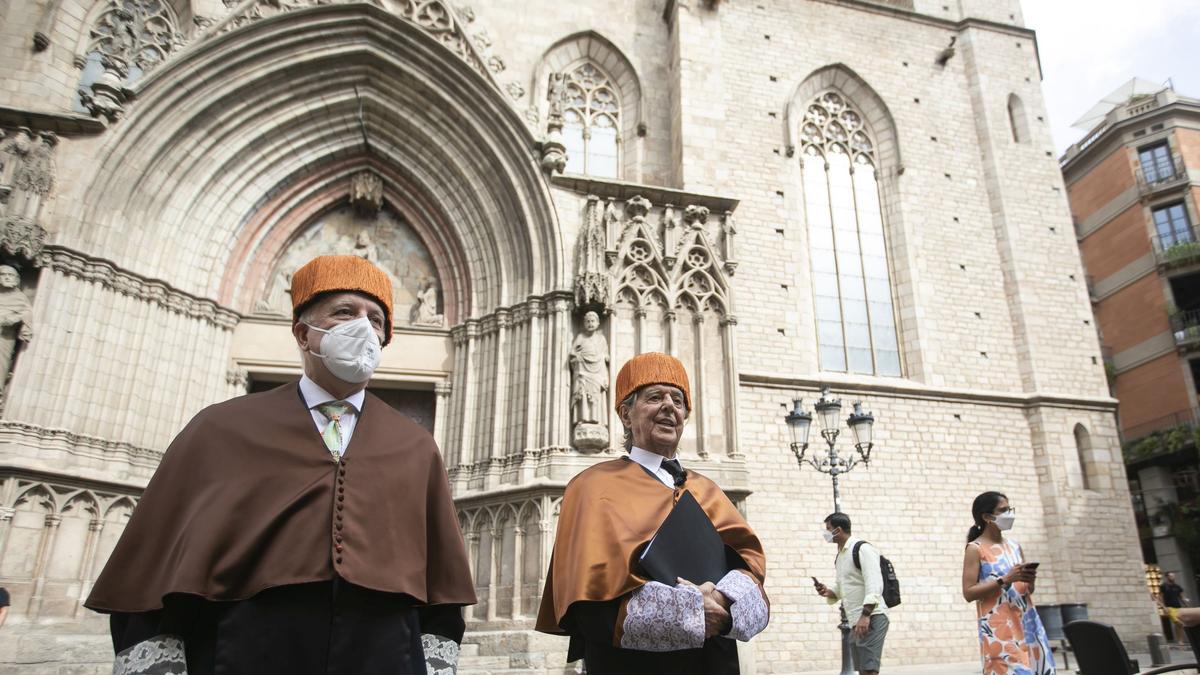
(729, 342)
(441, 396)
(518, 568)
(89, 563)
(698, 398)
(698, 96)
(45, 550)
(472, 539)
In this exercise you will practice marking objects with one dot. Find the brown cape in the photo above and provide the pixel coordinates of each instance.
(245, 499)
(608, 511)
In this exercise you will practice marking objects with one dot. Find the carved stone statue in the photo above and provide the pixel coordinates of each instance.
(425, 312)
(33, 178)
(589, 385)
(279, 295)
(14, 153)
(16, 319)
(365, 248)
(366, 192)
(591, 273)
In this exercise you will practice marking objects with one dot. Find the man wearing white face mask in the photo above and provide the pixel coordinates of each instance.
(304, 530)
(859, 587)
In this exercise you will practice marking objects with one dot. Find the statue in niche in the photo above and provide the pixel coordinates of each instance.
(589, 385)
(279, 296)
(425, 312)
(26, 172)
(16, 320)
(364, 248)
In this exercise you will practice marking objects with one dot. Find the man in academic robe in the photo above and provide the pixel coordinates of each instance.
(305, 530)
(619, 621)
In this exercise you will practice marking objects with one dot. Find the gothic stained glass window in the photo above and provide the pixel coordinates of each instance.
(591, 122)
(852, 288)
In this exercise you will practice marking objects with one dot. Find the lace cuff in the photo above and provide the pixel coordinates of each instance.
(160, 655)
(441, 654)
(659, 618)
(747, 608)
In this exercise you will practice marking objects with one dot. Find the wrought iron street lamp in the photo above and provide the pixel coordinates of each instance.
(861, 425)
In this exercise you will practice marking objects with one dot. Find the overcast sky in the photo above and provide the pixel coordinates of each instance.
(1090, 47)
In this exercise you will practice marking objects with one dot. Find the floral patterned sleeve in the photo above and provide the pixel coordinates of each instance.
(441, 654)
(160, 655)
(661, 618)
(748, 610)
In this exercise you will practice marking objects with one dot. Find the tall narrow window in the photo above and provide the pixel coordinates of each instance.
(1172, 224)
(591, 122)
(1156, 163)
(1083, 452)
(856, 324)
(1016, 119)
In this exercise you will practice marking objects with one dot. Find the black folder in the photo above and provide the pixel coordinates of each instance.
(686, 546)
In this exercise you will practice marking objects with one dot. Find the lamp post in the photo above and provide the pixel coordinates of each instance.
(799, 422)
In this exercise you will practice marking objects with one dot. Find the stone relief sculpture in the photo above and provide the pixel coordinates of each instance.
(425, 312)
(16, 320)
(589, 362)
(32, 177)
(382, 238)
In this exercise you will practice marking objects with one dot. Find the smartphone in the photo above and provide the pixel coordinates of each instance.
(1032, 565)
(816, 583)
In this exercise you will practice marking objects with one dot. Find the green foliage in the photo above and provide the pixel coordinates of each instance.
(1181, 253)
(1185, 526)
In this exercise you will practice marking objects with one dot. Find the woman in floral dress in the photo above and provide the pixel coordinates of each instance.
(1000, 583)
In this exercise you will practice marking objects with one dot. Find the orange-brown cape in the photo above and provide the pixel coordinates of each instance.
(608, 511)
(245, 499)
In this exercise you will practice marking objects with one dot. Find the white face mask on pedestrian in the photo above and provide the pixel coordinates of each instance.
(350, 350)
(828, 534)
(1005, 520)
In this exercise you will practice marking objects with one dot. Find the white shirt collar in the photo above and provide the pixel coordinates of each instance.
(650, 460)
(314, 395)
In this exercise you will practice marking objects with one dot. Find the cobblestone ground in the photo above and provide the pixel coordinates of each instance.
(1178, 656)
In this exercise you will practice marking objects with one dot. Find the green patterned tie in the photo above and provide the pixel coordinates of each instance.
(333, 411)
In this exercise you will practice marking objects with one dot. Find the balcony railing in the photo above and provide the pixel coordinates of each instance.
(1181, 424)
(1163, 176)
(1185, 325)
(1177, 250)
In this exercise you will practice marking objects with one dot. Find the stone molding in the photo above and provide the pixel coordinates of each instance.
(48, 437)
(916, 390)
(112, 277)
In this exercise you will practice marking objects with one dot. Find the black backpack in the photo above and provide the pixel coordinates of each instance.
(891, 585)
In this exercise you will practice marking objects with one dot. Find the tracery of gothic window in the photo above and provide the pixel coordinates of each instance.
(591, 122)
(129, 38)
(856, 324)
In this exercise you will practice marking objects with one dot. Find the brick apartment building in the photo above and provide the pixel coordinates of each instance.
(1133, 183)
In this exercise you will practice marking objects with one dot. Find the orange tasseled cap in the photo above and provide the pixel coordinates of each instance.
(332, 273)
(652, 368)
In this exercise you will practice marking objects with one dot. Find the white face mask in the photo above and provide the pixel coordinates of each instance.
(828, 534)
(1004, 521)
(350, 350)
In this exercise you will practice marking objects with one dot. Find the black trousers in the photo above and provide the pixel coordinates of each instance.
(591, 626)
(324, 628)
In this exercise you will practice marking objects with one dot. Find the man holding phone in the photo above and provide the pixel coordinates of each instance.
(860, 590)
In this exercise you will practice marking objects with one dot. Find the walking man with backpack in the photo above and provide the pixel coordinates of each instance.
(860, 589)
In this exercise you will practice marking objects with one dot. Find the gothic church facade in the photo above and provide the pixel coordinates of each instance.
(785, 194)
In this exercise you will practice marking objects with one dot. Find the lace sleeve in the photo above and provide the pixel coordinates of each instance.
(748, 610)
(160, 655)
(660, 618)
(441, 654)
